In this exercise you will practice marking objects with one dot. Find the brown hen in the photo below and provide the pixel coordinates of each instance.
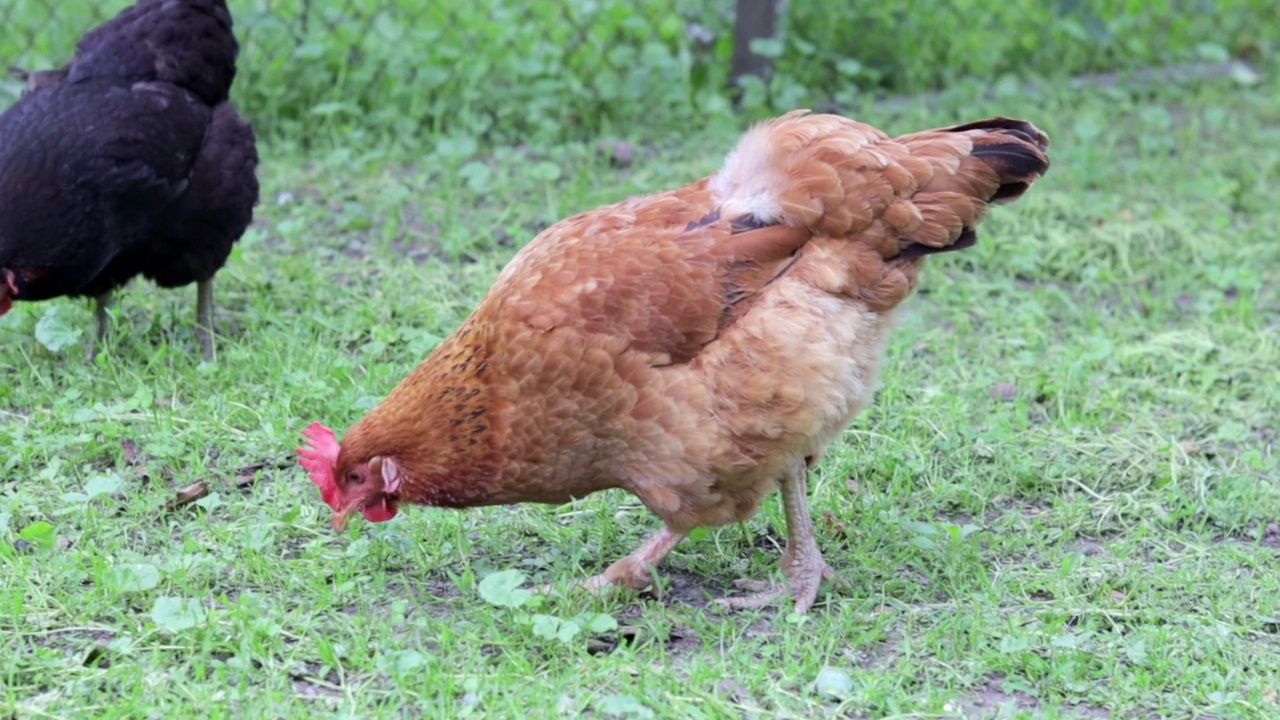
(699, 348)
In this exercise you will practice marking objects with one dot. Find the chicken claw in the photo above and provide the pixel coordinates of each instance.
(802, 561)
(803, 580)
(634, 571)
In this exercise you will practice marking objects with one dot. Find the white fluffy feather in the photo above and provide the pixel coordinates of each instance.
(751, 181)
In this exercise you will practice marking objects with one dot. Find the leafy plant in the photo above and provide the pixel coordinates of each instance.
(503, 589)
(175, 614)
(56, 331)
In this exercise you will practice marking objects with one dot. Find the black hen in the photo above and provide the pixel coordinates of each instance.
(130, 160)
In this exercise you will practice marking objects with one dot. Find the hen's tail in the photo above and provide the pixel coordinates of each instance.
(217, 206)
(972, 165)
(188, 43)
(915, 195)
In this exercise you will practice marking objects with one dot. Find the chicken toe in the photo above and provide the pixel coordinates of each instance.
(804, 576)
(802, 561)
(634, 571)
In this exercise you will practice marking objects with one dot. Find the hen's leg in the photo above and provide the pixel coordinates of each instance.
(204, 317)
(100, 305)
(634, 571)
(802, 562)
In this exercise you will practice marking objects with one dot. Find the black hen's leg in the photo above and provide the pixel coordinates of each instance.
(204, 317)
(100, 321)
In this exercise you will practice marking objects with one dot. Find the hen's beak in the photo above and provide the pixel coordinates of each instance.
(339, 521)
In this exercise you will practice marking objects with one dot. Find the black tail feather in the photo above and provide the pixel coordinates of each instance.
(1015, 149)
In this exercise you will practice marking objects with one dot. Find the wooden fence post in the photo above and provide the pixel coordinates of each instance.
(755, 19)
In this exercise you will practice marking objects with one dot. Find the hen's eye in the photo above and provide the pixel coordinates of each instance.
(354, 477)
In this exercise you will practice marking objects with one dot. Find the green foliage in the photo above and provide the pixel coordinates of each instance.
(503, 589)
(843, 52)
(134, 577)
(497, 70)
(623, 706)
(177, 614)
(55, 331)
(382, 76)
(390, 71)
(41, 534)
(834, 684)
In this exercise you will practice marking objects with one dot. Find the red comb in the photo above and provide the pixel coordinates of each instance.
(318, 458)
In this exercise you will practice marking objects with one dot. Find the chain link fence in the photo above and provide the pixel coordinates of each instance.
(502, 71)
(493, 67)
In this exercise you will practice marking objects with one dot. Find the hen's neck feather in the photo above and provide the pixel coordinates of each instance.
(438, 425)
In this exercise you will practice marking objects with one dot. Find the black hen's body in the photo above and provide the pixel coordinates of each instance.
(130, 160)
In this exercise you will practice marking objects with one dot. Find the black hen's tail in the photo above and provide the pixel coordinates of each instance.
(188, 43)
(216, 208)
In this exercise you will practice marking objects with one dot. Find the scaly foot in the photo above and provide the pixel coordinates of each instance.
(804, 578)
(802, 561)
(634, 571)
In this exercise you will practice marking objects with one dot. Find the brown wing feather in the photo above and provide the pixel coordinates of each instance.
(664, 273)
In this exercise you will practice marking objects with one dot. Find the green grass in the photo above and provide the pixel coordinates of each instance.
(1063, 501)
